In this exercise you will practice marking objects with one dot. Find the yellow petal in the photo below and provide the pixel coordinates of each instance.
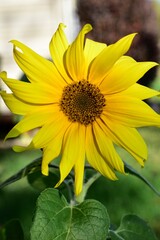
(19, 149)
(139, 91)
(73, 152)
(107, 149)
(56, 124)
(36, 68)
(127, 138)
(80, 161)
(32, 93)
(130, 111)
(34, 120)
(15, 105)
(52, 150)
(58, 47)
(75, 60)
(94, 158)
(107, 58)
(91, 50)
(79, 175)
(123, 75)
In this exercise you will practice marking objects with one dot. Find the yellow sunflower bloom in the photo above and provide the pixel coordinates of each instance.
(83, 103)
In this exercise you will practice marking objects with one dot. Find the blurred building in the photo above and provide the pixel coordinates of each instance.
(32, 22)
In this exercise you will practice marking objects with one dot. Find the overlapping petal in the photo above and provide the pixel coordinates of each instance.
(130, 112)
(33, 120)
(76, 66)
(123, 75)
(58, 47)
(51, 152)
(107, 58)
(73, 152)
(15, 105)
(91, 50)
(36, 68)
(95, 158)
(80, 161)
(139, 91)
(106, 148)
(52, 149)
(127, 138)
(57, 124)
(32, 93)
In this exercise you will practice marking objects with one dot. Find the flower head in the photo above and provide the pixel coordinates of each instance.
(83, 103)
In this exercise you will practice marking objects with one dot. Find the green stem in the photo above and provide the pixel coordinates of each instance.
(80, 198)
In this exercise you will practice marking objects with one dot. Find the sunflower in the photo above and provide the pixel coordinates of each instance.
(83, 103)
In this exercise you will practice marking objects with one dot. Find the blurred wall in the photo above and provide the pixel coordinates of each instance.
(32, 22)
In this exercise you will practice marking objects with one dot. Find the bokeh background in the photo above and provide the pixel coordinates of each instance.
(33, 22)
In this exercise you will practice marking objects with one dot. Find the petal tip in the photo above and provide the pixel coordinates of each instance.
(87, 27)
(3, 75)
(62, 25)
(12, 41)
(57, 185)
(45, 169)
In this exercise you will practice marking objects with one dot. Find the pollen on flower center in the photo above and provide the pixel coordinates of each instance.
(82, 102)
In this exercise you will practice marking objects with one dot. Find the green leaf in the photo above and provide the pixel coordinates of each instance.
(41, 182)
(31, 168)
(56, 219)
(11, 230)
(133, 228)
(34, 169)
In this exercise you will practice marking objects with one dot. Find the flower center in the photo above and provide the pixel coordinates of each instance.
(82, 102)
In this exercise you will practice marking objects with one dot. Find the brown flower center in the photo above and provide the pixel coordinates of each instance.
(82, 102)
